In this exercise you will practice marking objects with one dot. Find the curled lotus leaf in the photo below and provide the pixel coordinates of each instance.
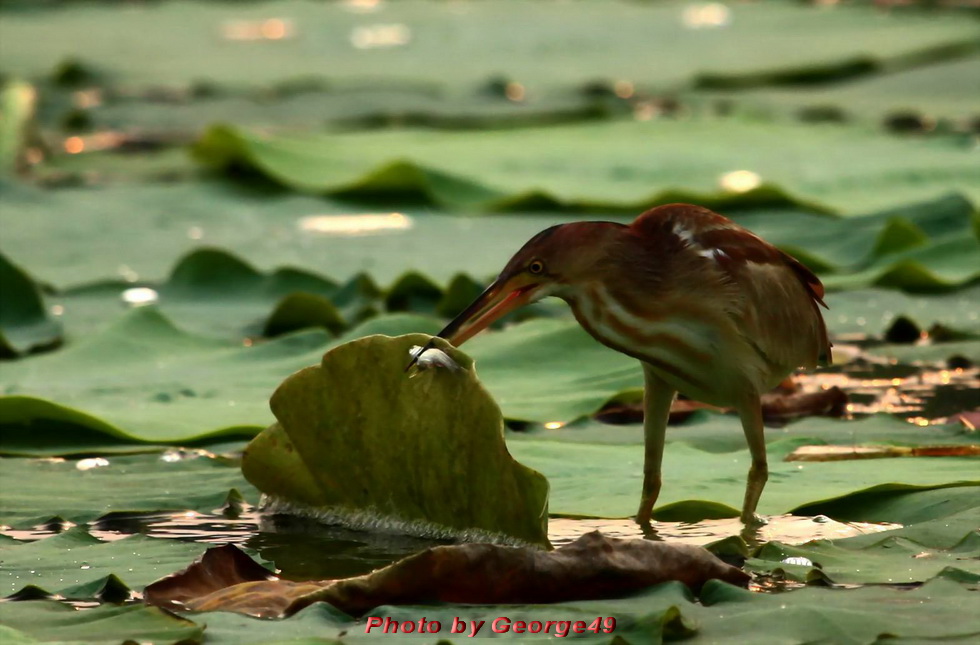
(358, 440)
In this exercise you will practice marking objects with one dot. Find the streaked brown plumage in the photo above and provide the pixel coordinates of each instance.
(710, 310)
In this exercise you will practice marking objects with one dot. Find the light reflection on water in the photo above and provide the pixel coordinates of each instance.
(789, 529)
(360, 224)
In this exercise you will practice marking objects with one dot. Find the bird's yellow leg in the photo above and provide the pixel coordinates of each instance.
(657, 397)
(751, 415)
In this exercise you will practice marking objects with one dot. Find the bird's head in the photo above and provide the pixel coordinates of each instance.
(546, 265)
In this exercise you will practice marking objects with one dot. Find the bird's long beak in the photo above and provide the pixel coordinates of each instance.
(499, 299)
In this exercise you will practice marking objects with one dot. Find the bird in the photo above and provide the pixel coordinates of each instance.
(710, 310)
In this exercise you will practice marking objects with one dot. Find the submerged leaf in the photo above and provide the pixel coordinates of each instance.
(355, 436)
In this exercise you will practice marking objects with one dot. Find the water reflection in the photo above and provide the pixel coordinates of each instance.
(790, 529)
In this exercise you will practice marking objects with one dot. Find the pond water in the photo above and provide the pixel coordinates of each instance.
(305, 549)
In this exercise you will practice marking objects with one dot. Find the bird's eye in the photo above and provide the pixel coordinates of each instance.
(536, 267)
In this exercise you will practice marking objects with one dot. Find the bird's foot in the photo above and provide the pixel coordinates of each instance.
(754, 520)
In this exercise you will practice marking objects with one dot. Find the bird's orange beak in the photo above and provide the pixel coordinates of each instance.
(499, 299)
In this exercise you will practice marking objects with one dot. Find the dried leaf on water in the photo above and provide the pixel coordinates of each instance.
(592, 567)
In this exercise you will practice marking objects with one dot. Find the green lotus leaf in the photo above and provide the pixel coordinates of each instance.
(140, 230)
(928, 91)
(601, 167)
(878, 564)
(946, 263)
(33, 491)
(319, 624)
(214, 293)
(25, 323)
(595, 480)
(357, 436)
(550, 47)
(144, 379)
(300, 311)
(915, 553)
(939, 610)
(74, 564)
(48, 621)
(934, 353)
(928, 510)
(874, 311)
(229, 298)
(540, 371)
(722, 433)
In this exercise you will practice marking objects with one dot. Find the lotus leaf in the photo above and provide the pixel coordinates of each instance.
(213, 293)
(540, 370)
(141, 230)
(940, 609)
(53, 622)
(114, 223)
(601, 166)
(356, 435)
(74, 564)
(154, 382)
(34, 491)
(891, 561)
(333, 44)
(905, 506)
(604, 480)
(25, 323)
(932, 91)
(947, 546)
(721, 433)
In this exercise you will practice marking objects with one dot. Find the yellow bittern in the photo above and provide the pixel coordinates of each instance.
(709, 309)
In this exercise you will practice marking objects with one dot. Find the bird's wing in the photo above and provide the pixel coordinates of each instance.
(776, 297)
(780, 296)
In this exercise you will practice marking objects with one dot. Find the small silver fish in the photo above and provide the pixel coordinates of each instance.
(431, 358)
